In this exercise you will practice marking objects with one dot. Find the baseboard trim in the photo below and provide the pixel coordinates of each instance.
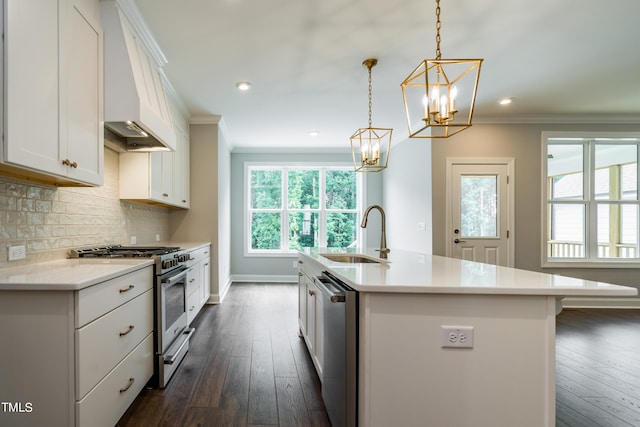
(577, 302)
(264, 279)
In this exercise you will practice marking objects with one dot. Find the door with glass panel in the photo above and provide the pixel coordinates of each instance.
(479, 214)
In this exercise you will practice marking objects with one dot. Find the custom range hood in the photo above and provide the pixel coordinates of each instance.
(135, 102)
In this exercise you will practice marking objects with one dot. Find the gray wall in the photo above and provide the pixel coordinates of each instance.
(200, 222)
(523, 142)
(407, 196)
(256, 268)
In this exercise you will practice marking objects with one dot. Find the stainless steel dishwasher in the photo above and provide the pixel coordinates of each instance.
(340, 350)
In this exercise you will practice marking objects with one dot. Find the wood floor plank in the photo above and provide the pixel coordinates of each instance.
(291, 406)
(263, 405)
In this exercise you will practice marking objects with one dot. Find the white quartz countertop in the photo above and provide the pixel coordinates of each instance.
(67, 274)
(409, 272)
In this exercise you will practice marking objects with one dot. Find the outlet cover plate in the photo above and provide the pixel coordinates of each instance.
(456, 336)
(17, 252)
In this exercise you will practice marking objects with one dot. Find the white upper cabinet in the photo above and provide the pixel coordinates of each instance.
(159, 177)
(52, 91)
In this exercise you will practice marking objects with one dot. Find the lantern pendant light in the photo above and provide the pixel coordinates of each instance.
(439, 95)
(370, 146)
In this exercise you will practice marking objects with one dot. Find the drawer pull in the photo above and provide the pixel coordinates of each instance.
(128, 386)
(126, 289)
(192, 280)
(131, 327)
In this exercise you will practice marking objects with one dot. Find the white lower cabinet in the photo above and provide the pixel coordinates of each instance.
(79, 358)
(106, 403)
(198, 281)
(310, 316)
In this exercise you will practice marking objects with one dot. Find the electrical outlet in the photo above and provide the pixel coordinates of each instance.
(295, 264)
(422, 226)
(133, 240)
(17, 252)
(456, 336)
(157, 237)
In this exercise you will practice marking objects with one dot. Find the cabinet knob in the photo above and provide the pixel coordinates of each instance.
(165, 195)
(69, 163)
(312, 293)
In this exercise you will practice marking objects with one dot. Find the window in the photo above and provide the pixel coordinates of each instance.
(294, 207)
(591, 198)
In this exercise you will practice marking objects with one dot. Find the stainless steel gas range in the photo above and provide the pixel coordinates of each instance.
(171, 329)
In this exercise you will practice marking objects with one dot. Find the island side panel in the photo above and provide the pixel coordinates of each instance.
(407, 378)
(36, 364)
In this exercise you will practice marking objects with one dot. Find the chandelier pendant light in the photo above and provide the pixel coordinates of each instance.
(439, 95)
(370, 146)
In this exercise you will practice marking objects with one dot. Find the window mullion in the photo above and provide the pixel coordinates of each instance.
(284, 238)
(322, 216)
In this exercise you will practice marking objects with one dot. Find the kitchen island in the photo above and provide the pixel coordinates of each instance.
(498, 367)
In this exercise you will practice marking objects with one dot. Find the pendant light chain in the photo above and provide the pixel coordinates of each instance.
(438, 25)
(370, 103)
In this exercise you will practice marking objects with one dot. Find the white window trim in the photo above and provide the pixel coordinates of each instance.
(361, 189)
(579, 262)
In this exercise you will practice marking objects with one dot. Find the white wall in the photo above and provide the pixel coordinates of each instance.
(407, 196)
(224, 211)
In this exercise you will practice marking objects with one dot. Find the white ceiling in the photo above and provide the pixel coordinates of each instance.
(578, 59)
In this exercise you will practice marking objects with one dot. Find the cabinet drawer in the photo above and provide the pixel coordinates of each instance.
(193, 306)
(103, 343)
(193, 279)
(200, 254)
(113, 395)
(94, 301)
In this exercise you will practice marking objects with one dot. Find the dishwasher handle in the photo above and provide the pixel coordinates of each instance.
(330, 289)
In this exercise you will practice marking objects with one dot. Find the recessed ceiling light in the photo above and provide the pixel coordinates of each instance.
(243, 85)
(314, 133)
(505, 101)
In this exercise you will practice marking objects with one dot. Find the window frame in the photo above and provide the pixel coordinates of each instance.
(285, 210)
(588, 200)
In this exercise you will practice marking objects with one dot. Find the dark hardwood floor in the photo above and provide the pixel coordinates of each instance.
(598, 368)
(248, 367)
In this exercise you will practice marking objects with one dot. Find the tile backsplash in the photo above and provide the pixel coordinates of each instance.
(49, 220)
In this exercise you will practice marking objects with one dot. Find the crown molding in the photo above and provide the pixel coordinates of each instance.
(205, 119)
(562, 118)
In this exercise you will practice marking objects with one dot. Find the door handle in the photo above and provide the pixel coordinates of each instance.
(459, 241)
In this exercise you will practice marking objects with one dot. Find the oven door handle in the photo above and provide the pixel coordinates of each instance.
(175, 278)
(171, 358)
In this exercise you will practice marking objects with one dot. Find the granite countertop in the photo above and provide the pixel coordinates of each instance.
(67, 274)
(410, 272)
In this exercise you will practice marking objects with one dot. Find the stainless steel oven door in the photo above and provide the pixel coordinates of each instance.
(171, 307)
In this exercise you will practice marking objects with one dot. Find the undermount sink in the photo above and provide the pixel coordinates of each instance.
(351, 258)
